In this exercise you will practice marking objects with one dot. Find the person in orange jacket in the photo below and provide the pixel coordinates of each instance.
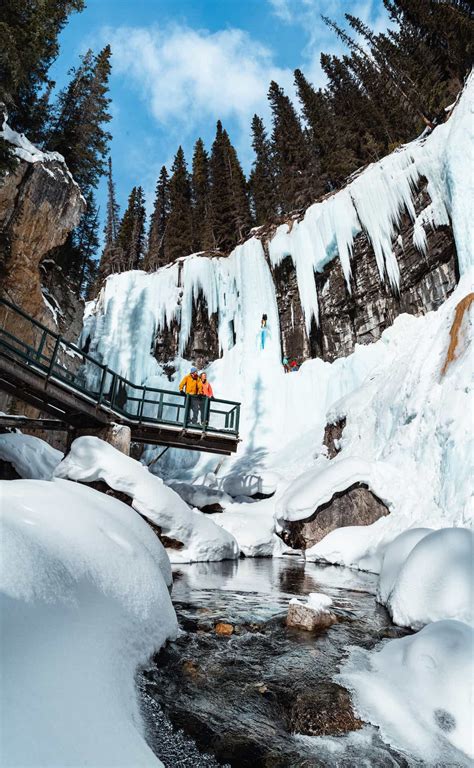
(192, 385)
(206, 386)
(207, 394)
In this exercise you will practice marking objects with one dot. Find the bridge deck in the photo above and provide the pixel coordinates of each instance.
(54, 375)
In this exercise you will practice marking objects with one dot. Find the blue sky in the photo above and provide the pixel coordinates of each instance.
(179, 65)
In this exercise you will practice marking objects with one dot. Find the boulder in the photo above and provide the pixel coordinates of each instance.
(311, 615)
(356, 505)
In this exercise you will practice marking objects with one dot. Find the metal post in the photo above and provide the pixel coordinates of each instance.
(142, 403)
(53, 358)
(112, 389)
(41, 346)
(237, 418)
(102, 385)
(160, 408)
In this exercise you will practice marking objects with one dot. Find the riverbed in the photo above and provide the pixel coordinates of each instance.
(240, 688)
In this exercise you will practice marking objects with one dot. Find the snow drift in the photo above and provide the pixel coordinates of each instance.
(91, 459)
(84, 602)
(31, 457)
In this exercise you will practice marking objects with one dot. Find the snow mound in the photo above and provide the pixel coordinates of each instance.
(32, 458)
(92, 459)
(316, 487)
(417, 690)
(84, 602)
(394, 558)
(436, 580)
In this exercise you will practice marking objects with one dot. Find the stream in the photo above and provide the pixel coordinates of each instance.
(239, 688)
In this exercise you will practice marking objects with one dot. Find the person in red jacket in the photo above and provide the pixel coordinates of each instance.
(205, 404)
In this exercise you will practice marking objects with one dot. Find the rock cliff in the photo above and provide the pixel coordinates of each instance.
(40, 204)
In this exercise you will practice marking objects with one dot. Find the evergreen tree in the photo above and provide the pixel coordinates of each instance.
(110, 260)
(322, 134)
(179, 229)
(262, 177)
(155, 256)
(293, 166)
(113, 211)
(231, 217)
(202, 218)
(131, 235)
(29, 34)
(81, 112)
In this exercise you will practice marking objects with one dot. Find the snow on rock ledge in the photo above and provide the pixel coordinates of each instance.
(91, 459)
(31, 457)
(84, 602)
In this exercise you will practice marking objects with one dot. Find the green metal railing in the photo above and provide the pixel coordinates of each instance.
(29, 343)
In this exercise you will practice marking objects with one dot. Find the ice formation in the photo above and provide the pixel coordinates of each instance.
(200, 538)
(84, 602)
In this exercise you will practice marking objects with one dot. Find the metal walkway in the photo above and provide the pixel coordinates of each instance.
(43, 369)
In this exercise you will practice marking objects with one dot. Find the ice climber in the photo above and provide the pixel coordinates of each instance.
(264, 331)
(192, 385)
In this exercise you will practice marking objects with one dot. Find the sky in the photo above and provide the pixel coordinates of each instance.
(180, 65)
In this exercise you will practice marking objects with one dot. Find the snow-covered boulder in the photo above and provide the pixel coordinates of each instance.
(84, 602)
(91, 459)
(436, 580)
(31, 457)
(417, 690)
(313, 614)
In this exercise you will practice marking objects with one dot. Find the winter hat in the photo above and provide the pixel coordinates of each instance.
(194, 369)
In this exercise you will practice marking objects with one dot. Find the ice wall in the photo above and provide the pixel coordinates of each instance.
(134, 306)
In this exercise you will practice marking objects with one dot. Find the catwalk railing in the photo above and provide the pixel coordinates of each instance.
(29, 343)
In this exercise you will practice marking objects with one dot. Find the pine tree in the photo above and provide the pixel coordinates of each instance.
(155, 255)
(323, 138)
(131, 235)
(179, 229)
(82, 110)
(262, 177)
(293, 166)
(29, 34)
(110, 261)
(113, 211)
(202, 217)
(231, 217)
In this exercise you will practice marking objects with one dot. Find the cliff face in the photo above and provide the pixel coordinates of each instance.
(345, 318)
(40, 204)
(360, 317)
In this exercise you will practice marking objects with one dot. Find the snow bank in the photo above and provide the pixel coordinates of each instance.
(417, 690)
(91, 459)
(406, 436)
(436, 580)
(84, 602)
(32, 458)
(394, 558)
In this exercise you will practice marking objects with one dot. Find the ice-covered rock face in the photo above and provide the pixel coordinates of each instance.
(338, 277)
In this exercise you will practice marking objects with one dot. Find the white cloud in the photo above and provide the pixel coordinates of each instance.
(186, 75)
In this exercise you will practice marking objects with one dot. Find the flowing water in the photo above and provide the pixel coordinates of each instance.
(263, 695)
